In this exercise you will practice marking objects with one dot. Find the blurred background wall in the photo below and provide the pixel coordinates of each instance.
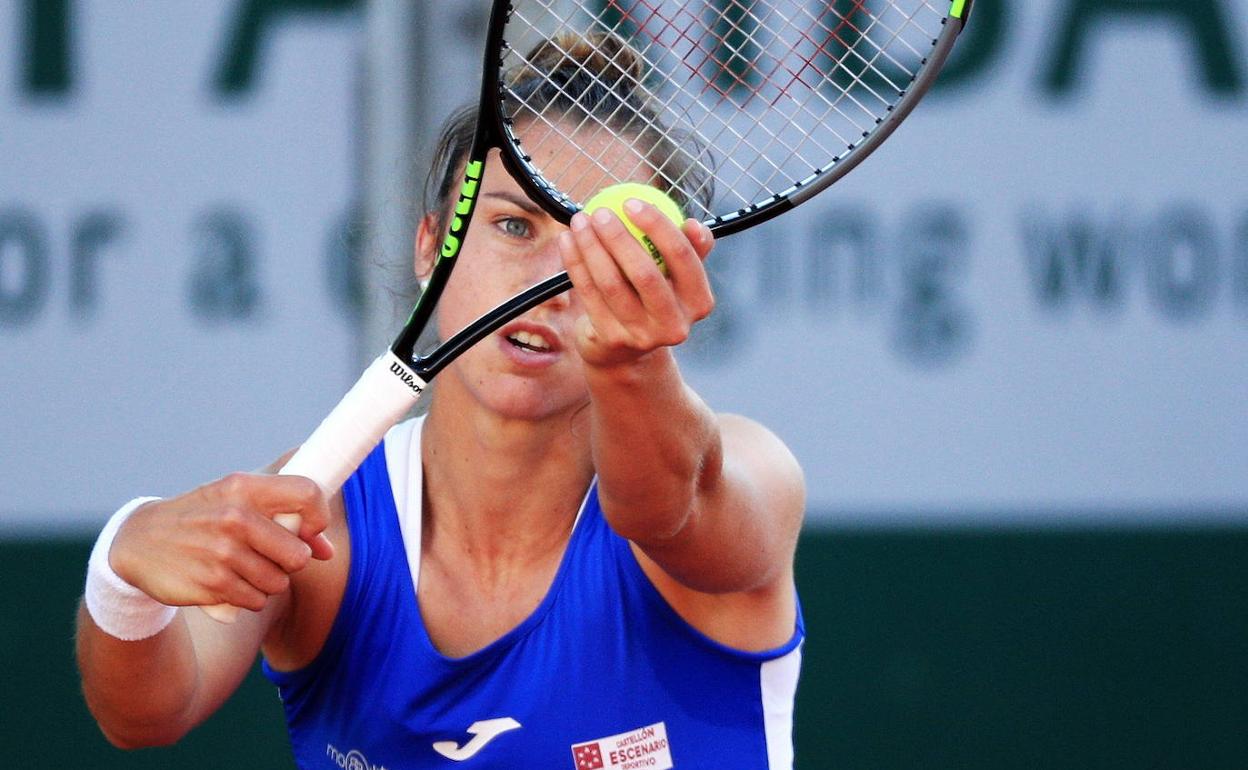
(1010, 351)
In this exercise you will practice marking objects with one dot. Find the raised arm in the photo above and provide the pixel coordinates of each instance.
(714, 502)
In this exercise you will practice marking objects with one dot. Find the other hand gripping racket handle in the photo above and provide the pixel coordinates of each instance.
(385, 392)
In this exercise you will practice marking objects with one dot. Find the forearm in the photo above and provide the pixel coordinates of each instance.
(141, 692)
(656, 446)
(715, 502)
(153, 691)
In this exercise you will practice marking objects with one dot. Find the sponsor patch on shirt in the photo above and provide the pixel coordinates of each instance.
(645, 748)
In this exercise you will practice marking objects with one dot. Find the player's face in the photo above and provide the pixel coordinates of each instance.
(530, 368)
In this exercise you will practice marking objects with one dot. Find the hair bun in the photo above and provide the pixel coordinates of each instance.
(600, 78)
(602, 56)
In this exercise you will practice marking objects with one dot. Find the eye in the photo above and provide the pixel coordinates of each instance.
(516, 227)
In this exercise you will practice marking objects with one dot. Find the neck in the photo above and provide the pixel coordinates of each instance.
(500, 489)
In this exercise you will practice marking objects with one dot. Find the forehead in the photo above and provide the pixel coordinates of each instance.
(582, 161)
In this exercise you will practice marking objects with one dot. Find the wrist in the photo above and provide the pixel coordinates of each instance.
(630, 369)
(118, 608)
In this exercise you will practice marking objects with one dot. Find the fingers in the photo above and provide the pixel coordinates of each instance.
(273, 495)
(683, 248)
(700, 236)
(279, 518)
(237, 555)
(627, 298)
(285, 499)
(600, 281)
(239, 575)
(267, 539)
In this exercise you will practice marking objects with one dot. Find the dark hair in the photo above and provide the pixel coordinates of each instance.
(599, 76)
(446, 169)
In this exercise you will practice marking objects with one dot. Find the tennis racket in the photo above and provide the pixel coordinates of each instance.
(738, 109)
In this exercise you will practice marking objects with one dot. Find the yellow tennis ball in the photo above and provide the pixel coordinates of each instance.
(613, 198)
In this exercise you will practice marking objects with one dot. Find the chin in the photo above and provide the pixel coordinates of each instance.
(528, 401)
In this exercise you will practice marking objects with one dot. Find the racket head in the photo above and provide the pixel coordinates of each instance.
(739, 109)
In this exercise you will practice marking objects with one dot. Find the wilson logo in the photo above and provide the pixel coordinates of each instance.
(409, 379)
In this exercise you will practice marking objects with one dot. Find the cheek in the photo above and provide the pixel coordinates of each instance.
(457, 305)
(476, 286)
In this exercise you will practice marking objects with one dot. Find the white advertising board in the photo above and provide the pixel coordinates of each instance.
(174, 182)
(1031, 306)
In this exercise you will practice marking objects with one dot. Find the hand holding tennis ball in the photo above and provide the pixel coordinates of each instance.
(613, 198)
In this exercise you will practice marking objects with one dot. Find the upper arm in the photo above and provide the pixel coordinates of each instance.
(311, 605)
(741, 531)
(733, 559)
(225, 653)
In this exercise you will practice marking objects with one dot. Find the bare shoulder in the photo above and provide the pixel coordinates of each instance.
(750, 448)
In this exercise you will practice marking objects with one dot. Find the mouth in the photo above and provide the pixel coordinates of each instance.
(531, 343)
(528, 340)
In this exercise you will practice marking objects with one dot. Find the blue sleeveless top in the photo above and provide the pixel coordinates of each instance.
(603, 674)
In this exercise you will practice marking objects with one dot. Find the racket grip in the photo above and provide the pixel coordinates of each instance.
(385, 392)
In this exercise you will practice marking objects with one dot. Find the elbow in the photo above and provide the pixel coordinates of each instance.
(649, 523)
(127, 742)
(127, 730)
(129, 738)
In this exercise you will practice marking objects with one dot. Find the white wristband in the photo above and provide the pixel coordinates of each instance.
(118, 608)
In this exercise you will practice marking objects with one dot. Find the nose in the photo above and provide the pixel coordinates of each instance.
(546, 263)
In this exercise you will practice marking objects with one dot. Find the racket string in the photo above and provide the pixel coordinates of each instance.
(553, 122)
(749, 98)
(589, 121)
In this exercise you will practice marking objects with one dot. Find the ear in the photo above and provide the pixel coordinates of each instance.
(426, 248)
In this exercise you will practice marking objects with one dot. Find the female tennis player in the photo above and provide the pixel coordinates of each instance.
(570, 562)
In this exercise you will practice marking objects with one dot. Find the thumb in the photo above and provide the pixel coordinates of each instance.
(586, 332)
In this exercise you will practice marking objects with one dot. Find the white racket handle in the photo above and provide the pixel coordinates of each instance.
(385, 392)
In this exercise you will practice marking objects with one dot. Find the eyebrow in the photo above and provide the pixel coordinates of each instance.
(516, 199)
